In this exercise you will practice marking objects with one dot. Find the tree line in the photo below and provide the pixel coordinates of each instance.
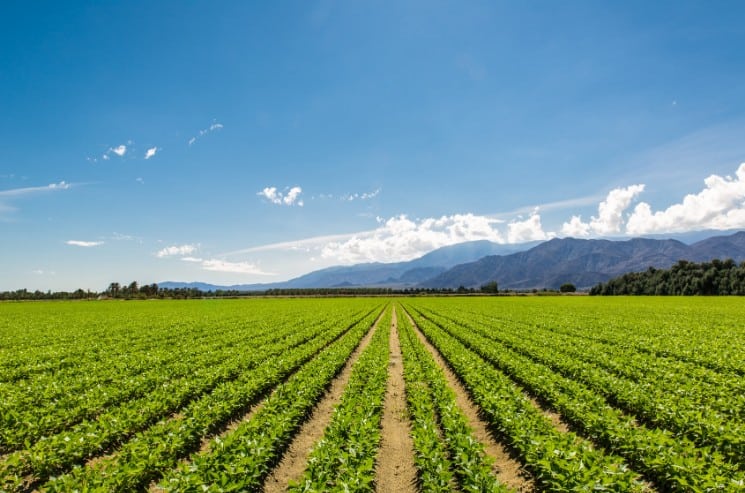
(717, 277)
(134, 290)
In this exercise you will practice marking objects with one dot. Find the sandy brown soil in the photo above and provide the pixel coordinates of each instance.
(552, 415)
(507, 470)
(294, 461)
(395, 470)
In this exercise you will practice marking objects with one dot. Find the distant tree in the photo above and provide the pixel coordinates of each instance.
(568, 288)
(114, 289)
(490, 287)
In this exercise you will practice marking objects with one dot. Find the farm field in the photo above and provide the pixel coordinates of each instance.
(363, 394)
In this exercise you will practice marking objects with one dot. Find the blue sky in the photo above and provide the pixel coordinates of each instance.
(239, 142)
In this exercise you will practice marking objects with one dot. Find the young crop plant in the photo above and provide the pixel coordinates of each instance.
(241, 460)
(344, 459)
(62, 451)
(673, 463)
(558, 461)
(435, 413)
(156, 450)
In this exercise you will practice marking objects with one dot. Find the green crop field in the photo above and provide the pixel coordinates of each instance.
(575, 394)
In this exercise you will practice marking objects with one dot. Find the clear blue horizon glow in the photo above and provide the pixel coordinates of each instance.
(239, 142)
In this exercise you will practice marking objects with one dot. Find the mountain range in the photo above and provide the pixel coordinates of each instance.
(535, 265)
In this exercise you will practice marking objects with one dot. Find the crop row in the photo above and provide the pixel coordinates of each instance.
(648, 403)
(559, 461)
(61, 451)
(445, 445)
(26, 422)
(344, 459)
(241, 460)
(241, 378)
(673, 463)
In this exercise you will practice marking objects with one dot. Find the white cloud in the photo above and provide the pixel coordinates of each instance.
(119, 150)
(85, 244)
(291, 197)
(361, 196)
(214, 126)
(58, 186)
(177, 250)
(151, 152)
(610, 214)
(527, 230)
(19, 192)
(575, 227)
(400, 238)
(191, 259)
(610, 211)
(720, 205)
(235, 267)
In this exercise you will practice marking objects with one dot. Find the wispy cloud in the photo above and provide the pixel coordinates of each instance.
(122, 237)
(307, 244)
(289, 197)
(551, 206)
(361, 196)
(151, 152)
(213, 127)
(218, 265)
(177, 250)
(19, 192)
(7, 196)
(84, 244)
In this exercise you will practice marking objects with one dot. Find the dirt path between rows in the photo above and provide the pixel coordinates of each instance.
(294, 461)
(507, 470)
(395, 470)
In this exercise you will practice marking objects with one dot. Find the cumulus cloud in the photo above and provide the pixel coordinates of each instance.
(720, 205)
(234, 267)
(119, 150)
(610, 214)
(289, 197)
(527, 230)
(175, 250)
(84, 244)
(151, 152)
(400, 238)
(575, 227)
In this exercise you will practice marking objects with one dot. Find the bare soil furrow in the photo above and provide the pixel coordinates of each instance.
(395, 471)
(508, 470)
(294, 461)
